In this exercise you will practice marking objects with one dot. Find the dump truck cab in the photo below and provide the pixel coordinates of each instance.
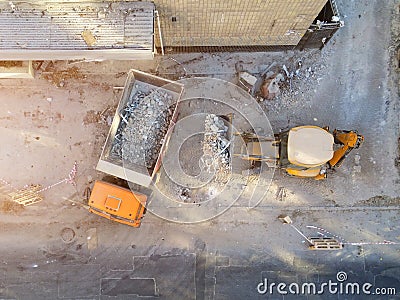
(117, 203)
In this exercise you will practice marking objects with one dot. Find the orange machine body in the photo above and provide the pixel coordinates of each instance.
(118, 204)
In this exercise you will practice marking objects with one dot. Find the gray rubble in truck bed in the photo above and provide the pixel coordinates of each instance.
(144, 124)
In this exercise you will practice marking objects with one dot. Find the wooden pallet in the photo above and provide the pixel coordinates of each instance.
(27, 196)
(325, 243)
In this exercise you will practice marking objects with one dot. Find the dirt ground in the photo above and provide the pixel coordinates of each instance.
(55, 249)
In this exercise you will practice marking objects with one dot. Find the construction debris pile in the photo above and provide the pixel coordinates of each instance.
(216, 148)
(300, 85)
(270, 87)
(144, 124)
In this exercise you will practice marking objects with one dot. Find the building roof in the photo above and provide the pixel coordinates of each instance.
(76, 28)
(189, 23)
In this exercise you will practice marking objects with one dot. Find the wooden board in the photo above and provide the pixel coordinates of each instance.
(325, 243)
(27, 196)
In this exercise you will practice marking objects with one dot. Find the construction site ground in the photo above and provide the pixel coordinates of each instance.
(55, 249)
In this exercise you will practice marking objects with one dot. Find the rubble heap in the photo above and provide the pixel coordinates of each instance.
(216, 147)
(144, 124)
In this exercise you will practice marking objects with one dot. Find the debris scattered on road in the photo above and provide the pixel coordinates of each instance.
(285, 219)
(247, 80)
(59, 77)
(270, 88)
(301, 79)
(286, 70)
(103, 117)
(109, 120)
(45, 65)
(281, 194)
(91, 117)
(357, 167)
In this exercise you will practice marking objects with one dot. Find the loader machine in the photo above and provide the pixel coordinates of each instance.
(304, 151)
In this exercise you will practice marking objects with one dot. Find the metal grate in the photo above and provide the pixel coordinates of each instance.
(257, 48)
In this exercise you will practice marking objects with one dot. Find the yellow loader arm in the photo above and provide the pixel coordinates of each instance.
(349, 140)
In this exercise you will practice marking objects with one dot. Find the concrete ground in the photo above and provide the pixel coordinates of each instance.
(352, 84)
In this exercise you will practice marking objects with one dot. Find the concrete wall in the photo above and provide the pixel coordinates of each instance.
(235, 22)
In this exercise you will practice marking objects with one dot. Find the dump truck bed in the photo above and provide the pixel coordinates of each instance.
(124, 164)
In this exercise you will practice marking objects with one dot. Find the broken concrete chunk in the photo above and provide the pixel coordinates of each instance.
(285, 219)
(248, 78)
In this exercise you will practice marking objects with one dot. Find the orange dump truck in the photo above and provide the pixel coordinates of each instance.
(117, 204)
